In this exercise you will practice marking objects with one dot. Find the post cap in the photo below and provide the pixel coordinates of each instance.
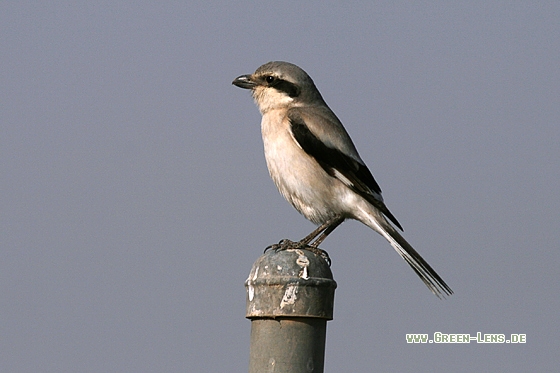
(290, 283)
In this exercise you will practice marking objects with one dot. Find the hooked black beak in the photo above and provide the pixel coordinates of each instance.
(244, 81)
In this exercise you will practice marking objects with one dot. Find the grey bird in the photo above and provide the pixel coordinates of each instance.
(316, 166)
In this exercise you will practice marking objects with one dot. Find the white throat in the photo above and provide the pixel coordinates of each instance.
(268, 98)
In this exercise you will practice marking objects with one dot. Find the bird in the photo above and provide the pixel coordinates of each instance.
(316, 167)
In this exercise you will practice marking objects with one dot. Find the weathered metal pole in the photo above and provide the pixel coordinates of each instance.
(290, 298)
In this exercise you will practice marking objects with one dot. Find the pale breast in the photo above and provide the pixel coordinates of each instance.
(298, 177)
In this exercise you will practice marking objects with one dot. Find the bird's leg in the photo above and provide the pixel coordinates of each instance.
(318, 234)
(332, 226)
(322, 231)
(314, 247)
(311, 236)
(286, 244)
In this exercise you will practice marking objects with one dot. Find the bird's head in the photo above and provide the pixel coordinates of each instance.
(278, 84)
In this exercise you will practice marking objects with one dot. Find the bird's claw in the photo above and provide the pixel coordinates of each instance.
(286, 244)
(320, 252)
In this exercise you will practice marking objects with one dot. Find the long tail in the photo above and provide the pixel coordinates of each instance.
(411, 256)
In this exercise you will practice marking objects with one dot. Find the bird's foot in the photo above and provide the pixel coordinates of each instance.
(286, 244)
(320, 252)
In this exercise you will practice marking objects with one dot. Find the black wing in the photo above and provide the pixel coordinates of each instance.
(335, 162)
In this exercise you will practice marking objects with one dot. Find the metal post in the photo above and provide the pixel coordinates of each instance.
(290, 298)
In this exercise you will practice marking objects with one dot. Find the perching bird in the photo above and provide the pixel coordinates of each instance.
(315, 165)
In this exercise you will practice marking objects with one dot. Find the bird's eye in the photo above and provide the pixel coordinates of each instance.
(269, 79)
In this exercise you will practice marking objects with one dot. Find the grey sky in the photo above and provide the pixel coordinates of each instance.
(135, 197)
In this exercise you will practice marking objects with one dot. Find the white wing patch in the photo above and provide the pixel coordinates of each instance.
(343, 178)
(295, 141)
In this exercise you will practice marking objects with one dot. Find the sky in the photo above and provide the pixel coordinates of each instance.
(134, 195)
